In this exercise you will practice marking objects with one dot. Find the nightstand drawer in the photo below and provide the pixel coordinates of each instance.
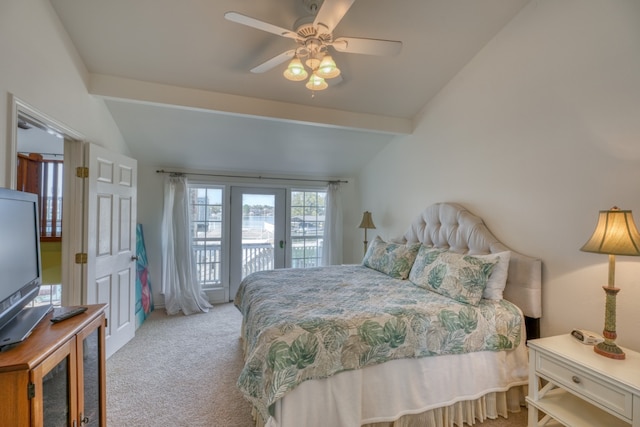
(597, 390)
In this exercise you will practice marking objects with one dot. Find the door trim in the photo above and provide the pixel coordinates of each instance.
(18, 107)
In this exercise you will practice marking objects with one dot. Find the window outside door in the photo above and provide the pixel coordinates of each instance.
(258, 232)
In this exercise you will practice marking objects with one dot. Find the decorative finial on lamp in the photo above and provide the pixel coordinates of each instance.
(615, 234)
(367, 222)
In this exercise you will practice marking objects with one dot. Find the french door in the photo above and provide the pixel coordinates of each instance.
(258, 232)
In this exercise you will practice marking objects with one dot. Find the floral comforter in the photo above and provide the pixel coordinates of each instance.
(302, 324)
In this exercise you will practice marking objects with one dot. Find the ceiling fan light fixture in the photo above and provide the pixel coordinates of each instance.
(316, 83)
(312, 62)
(328, 68)
(295, 71)
(313, 35)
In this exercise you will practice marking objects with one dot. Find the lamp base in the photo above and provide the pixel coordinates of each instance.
(608, 347)
(610, 350)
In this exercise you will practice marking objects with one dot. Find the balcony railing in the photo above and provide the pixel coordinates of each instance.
(256, 256)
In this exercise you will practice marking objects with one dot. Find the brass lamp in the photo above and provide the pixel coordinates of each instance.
(366, 223)
(615, 234)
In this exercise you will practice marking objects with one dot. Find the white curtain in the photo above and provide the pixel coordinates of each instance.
(332, 245)
(180, 286)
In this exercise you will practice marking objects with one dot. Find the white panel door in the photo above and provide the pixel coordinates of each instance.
(110, 196)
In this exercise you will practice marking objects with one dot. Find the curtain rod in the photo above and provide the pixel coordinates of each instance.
(330, 181)
(43, 154)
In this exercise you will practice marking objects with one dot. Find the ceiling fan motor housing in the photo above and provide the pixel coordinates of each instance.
(312, 6)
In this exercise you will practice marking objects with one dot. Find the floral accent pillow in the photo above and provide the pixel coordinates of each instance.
(457, 276)
(392, 259)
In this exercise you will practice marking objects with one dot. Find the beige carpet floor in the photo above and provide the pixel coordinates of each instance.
(181, 371)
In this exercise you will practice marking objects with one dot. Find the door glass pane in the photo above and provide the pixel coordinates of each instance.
(55, 396)
(257, 232)
(307, 227)
(91, 368)
(206, 223)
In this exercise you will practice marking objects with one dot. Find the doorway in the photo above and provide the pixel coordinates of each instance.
(36, 165)
(258, 232)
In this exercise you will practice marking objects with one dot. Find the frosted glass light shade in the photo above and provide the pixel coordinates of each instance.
(316, 83)
(295, 71)
(313, 62)
(328, 68)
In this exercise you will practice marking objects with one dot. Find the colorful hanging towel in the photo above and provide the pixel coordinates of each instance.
(144, 299)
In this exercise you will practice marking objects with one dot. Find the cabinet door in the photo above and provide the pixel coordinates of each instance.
(92, 374)
(54, 381)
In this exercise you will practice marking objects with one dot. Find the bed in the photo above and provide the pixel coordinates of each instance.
(430, 330)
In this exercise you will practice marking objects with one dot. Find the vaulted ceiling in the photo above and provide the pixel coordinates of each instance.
(176, 78)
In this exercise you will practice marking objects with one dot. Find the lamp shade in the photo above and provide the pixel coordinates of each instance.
(367, 221)
(312, 62)
(295, 71)
(327, 68)
(615, 234)
(316, 83)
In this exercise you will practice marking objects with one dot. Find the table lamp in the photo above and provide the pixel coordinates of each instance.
(615, 234)
(366, 222)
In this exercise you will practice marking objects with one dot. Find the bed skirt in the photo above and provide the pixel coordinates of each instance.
(489, 406)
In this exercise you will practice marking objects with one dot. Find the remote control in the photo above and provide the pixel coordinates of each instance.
(66, 312)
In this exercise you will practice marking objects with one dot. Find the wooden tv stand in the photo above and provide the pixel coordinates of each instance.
(57, 374)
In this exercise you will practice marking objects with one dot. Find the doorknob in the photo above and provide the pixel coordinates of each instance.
(134, 258)
(281, 244)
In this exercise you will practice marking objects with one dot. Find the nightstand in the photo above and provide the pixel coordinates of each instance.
(573, 385)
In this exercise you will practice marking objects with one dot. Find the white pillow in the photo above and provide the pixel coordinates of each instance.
(498, 279)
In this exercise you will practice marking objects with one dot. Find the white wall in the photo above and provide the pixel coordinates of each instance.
(40, 66)
(539, 132)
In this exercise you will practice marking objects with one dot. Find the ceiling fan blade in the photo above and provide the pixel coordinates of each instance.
(367, 46)
(260, 25)
(274, 62)
(331, 13)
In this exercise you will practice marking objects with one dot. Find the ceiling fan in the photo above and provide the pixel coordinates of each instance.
(313, 35)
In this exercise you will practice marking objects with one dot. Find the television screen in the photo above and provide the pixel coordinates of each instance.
(19, 266)
(19, 257)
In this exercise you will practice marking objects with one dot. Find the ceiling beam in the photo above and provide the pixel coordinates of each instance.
(155, 93)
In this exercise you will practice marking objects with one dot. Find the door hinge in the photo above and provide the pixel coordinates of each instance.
(82, 172)
(31, 390)
(81, 258)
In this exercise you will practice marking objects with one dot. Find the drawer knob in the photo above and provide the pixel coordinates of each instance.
(575, 379)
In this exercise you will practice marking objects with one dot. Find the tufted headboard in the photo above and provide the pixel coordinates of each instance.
(451, 226)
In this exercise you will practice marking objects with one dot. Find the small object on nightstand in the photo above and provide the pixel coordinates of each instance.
(63, 313)
(586, 337)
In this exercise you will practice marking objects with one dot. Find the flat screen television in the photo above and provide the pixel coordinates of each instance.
(20, 266)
